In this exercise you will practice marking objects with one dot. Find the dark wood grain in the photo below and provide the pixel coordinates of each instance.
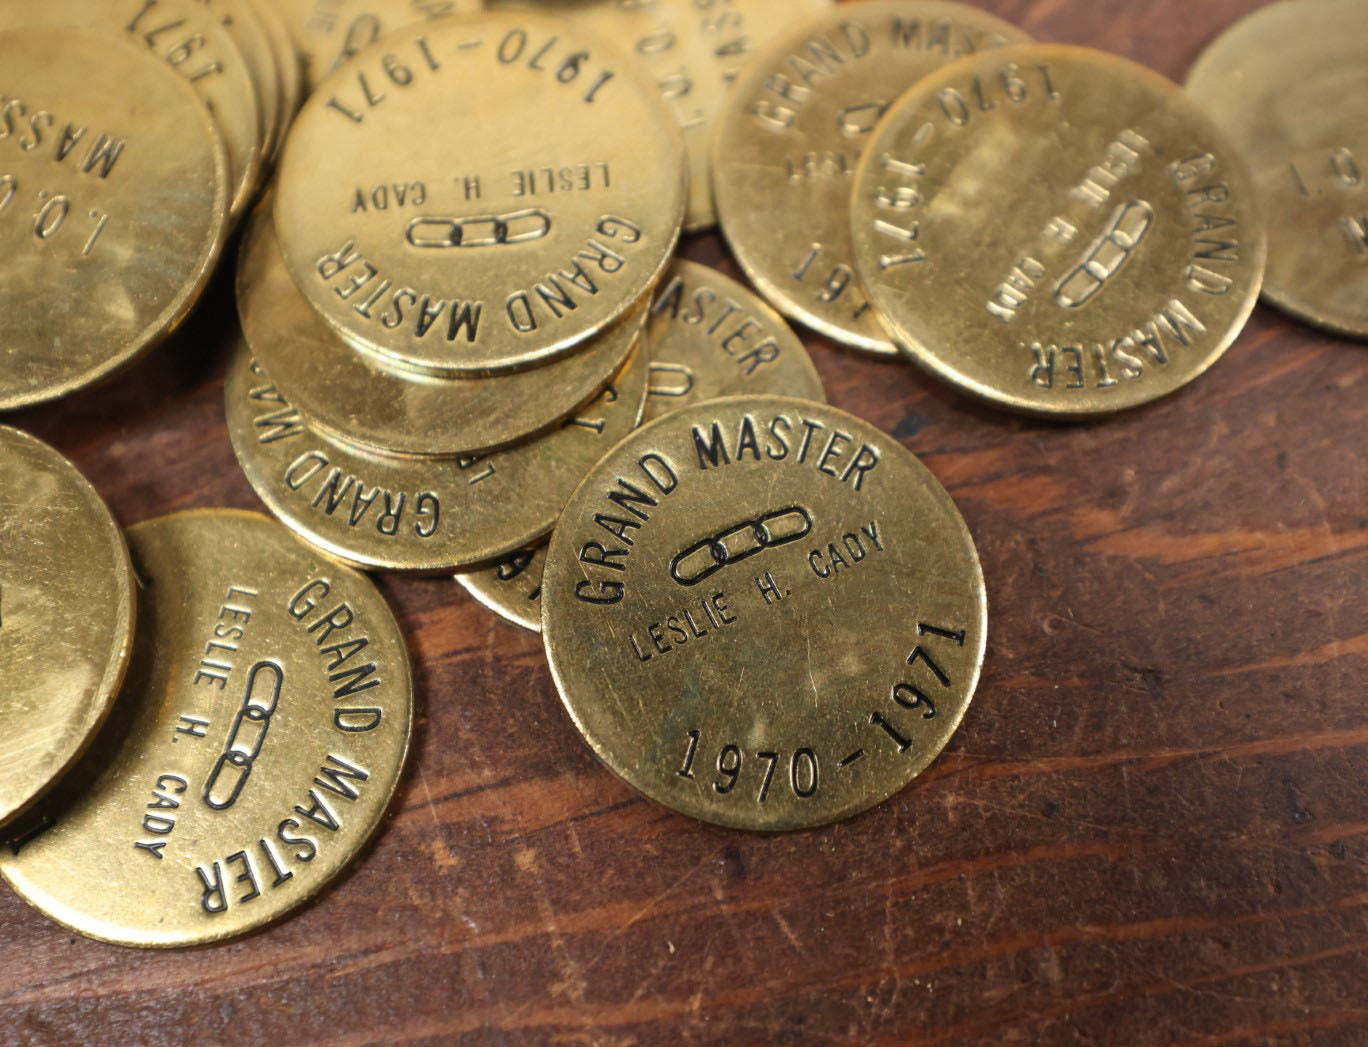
(1152, 827)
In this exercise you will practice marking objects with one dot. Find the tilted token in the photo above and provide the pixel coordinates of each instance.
(287, 66)
(544, 210)
(257, 744)
(695, 51)
(764, 613)
(708, 337)
(187, 37)
(113, 207)
(329, 33)
(1126, 247)
(248, 32)
(1289, 84)
(66, 617)
(350, 396)
(788, 145)
(417, 514)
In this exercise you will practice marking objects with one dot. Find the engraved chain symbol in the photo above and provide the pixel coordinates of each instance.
(497, 230)
(245, 739)
(704, 559)
(1106, 255)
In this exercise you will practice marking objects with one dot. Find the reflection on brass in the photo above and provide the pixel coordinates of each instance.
(1056, 230)
(775, 691)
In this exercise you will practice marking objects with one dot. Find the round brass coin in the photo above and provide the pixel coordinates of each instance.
(66, 616)
(350, 396)
(287, 66)
(1056, 230)
(763, 612)
(1289, 84)
(258, 742)
(417, 514)
(113, 208)
(328, 33)
(695, 51)
(545, 209)
(188, 38)
(247, 31)
(512, 587)
(789, 143)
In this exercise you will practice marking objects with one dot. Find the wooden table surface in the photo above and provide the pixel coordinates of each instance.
(1152, 827)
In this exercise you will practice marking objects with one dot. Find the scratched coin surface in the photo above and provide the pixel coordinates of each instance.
(417, 514)
(328, 33)
(113, 205)
(695, 51)
(544, 209)
(66, 616)
(791, 140)
(1289, 84)
(254, 749)
(708, 337)
(763, 612)
(186, 36)
(352, 397)
(1127, 247)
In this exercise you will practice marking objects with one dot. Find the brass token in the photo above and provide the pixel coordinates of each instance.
(328, 33)
(417, 514)
(287, 66)
(764, 613)
(1289, 84)
(66, 617)
(349, 396)
(695, 51)
(258, 743)
(113, 206)
(708, 337)
(528, 224)
(188, 38)
(245, 28)
(1056, 230)
(792, 137)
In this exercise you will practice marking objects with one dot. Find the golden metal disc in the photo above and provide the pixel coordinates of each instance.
(1289, 85)
(417, 514)
(545, 208)
(113, 207)
(1057, 230)
(349, 396)
(189, 39)
(695, 51)
(790, 140)
(257, 745)
(708, 337)
(66, 617)
(807, 685)
(328, 33)
(245, 27)
(287, 67)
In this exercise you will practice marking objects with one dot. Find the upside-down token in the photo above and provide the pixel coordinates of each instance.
(708, 337)
(113, 207)
(789, 142)
(66, 616)
(1057, 230)
(256, 745)
(1289, 84)
(764, 613)
(536, 198)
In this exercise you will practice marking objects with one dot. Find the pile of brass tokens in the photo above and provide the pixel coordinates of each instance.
(467, 347)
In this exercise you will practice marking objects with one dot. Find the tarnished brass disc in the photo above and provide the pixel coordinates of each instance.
(255, 748)
(764, 613)
(417, 514)
(708, 337)
(1289, 85)
(544, 208)
(187, 37)
(1057, 230)
(327, 33)
(113, 206)
(788, 145)
(66, 616)
(350, 396)
(695, 51)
